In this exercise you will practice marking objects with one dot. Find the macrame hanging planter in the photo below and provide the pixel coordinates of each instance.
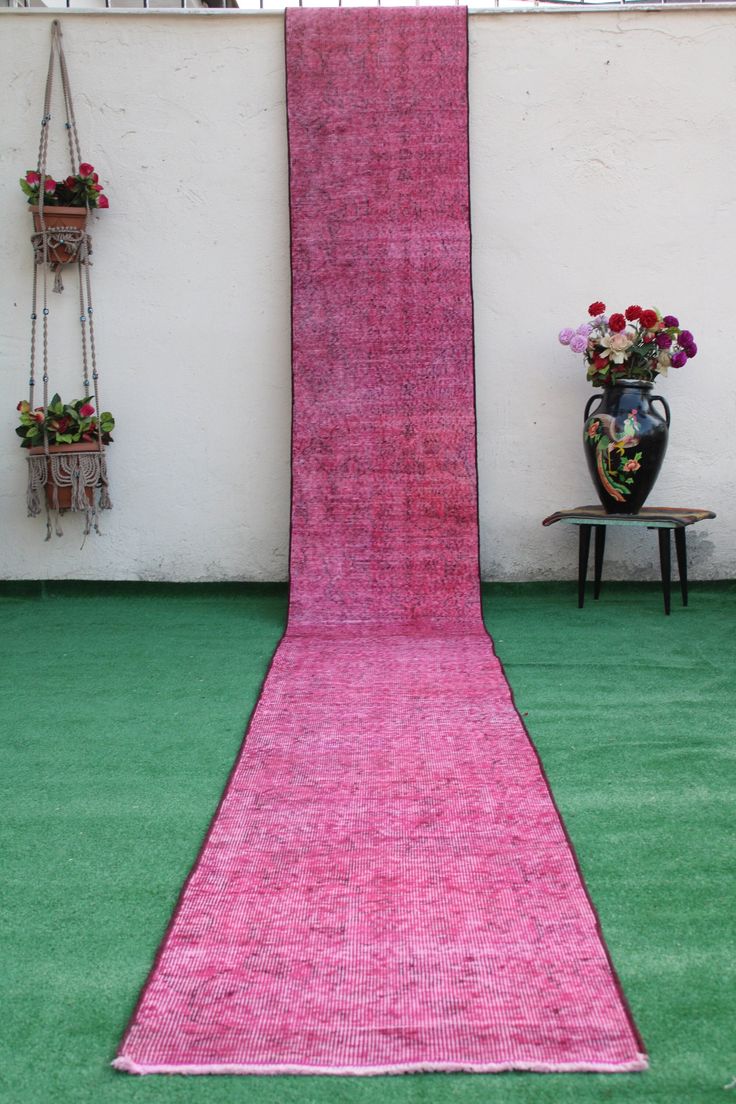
(63, 476)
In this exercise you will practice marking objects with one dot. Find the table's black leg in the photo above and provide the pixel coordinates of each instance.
(681, 550)
(600, 544)
(583, 562)
(664, 563)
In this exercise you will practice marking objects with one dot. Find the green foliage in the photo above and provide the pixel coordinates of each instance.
(64, 423)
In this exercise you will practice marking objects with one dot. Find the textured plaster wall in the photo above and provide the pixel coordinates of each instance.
(601, 166)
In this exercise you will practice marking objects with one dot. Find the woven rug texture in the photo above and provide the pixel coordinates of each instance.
(386, 885)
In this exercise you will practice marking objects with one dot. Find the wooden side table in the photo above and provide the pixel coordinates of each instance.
(661, 518)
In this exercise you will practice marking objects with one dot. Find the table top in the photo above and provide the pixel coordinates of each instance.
(654, 517)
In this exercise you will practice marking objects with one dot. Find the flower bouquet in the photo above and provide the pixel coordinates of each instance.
(636, 345)
(81, 190)
(64, 424)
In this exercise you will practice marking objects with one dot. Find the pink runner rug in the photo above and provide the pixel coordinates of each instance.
(387, 885)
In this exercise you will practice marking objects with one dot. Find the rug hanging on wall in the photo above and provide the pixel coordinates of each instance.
(386, 885)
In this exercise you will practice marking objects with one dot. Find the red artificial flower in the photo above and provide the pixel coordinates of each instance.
(617, 323)
(97, 187)
(596, 309)
(647, 319)
(85, 169)
(70, 182)
(33, 178)
(632, 313)
(37, 417)
(102, 201)
(95, 178)
(86, 410)
(50, 185)
(648, 338)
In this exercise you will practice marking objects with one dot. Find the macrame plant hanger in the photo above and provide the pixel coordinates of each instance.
(84, 472)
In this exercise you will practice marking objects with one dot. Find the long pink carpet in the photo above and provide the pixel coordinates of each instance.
(387, 885)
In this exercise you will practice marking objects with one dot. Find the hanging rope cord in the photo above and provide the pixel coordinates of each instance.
(86, 313)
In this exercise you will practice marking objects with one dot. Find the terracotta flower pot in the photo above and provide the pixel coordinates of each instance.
(74, 218)
(59, 493)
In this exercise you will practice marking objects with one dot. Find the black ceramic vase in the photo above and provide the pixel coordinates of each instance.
(625, 440)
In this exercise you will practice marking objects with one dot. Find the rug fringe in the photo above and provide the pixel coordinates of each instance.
(127, 1065)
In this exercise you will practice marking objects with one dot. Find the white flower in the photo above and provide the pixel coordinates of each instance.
(618, 345)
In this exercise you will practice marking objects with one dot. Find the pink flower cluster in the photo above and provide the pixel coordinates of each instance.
(82, 190)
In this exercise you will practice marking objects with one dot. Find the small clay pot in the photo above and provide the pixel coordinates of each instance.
(63, 497)
(74, 218)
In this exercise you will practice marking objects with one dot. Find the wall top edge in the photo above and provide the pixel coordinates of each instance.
(565, 7)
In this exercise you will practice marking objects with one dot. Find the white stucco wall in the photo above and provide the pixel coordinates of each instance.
(602, 148)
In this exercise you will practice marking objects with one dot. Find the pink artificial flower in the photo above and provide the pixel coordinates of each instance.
(85, 169)
(631, 465)
(86, 410)
(33, 178)
(50, 185)
(102, 201)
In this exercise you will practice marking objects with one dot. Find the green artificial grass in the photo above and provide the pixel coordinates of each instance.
(123, 707)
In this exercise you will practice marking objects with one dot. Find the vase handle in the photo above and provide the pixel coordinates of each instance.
(664, 403)
(590, 402)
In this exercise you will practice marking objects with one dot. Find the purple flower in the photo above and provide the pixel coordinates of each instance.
(566, 336)
(686, 338)
(578, 343)
(679, 359)
(670, 320)
(663, 340)
(586, 329)
(691, 350)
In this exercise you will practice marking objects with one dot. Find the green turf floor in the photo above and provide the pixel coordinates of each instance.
(122, 709)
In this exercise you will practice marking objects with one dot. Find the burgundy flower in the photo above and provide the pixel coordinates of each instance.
(679, 359)
(596, 308)
(691, 349)
(617, 322)
(85, 169)
(70, 182)
(647, 319)
(86, 410)
(686, 338)
(632, 313)
(663, 340)
(670, 320)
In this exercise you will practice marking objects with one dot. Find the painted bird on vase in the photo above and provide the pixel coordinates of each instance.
(610, 442)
